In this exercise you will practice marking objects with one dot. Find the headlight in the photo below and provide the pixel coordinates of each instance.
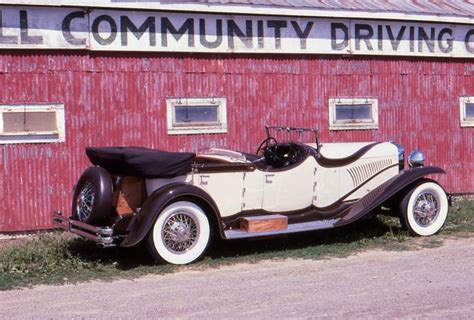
(401, 155)
(416, 159)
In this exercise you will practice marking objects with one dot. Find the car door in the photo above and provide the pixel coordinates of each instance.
(291, 189)
(225, 188)
(252, 192)
(327, 187)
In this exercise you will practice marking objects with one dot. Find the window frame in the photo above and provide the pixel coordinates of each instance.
(464, 120)
(335, 124)
(219, 127)
(58, 135)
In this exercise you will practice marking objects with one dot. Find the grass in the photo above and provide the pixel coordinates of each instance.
(59, 258)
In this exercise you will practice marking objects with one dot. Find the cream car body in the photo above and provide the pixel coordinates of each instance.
(295, 189)
(176, 204)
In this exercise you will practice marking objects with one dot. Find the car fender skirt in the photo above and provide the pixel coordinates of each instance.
(154, 204)
(385, 191)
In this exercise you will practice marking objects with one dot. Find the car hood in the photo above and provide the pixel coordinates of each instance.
(343, 150)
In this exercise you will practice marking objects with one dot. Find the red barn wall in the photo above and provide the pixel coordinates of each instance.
(116, 99)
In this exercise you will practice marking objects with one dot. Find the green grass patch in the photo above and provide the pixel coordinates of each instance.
(59, 258)
(460, 218)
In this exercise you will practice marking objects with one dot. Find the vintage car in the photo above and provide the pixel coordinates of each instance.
(175, 201)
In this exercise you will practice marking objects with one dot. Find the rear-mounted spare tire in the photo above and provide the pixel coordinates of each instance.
(92, 201)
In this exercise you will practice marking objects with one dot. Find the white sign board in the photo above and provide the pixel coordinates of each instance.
(113, 30)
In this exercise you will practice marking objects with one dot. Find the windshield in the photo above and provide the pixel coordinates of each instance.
(292, 134)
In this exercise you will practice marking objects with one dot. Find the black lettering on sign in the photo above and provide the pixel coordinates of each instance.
(341, 45)
(363, 32)
(302, 34)
(25, 38)
(412, 39)
(380, 37)
(467, 41)
(127, 25)
(6, 39)
(187, 27)
(395, 42)
(66, 28)
(423, 37)
(277, 25)
(448, 47)
(95, 30)
(234, 30)
(202, 34)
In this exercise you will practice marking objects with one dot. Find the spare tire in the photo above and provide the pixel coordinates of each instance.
(92, 201)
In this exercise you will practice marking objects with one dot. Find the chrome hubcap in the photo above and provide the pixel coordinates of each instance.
(180, 232)
(85, 201)
(426, 209)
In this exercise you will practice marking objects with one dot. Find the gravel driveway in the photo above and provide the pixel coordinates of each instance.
(428, 283)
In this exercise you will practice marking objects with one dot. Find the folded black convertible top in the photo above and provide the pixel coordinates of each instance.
(141, 162)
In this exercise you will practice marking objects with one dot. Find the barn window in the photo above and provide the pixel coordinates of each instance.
(196, 115)
(32, 123)
(353, 113)
(467, 111)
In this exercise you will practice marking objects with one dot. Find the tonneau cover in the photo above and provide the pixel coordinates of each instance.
(141, 162)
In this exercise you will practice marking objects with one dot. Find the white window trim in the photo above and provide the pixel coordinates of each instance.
(58, 135)
(465, 122)
(359, 125)
(221, 127)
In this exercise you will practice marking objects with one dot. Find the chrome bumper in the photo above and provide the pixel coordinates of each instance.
(101, 235)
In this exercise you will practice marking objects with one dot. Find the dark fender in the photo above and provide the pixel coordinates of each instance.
(159, 199)
(385, 191)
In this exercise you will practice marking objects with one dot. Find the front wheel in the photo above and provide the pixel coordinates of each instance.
(181, 234)
(424, 209)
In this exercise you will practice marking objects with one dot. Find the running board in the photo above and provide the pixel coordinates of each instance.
(292, 228)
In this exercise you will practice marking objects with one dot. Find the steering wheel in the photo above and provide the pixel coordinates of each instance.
(266, 144)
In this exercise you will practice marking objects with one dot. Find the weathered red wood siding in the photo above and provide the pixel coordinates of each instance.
(119, 99)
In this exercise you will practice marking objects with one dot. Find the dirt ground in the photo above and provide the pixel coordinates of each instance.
(429, 283)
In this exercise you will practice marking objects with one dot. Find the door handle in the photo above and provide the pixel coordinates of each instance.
(268, 178)
(204, 180)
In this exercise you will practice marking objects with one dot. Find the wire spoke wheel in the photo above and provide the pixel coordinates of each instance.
(92, 201)
(424, 209)
(85, 201)
(181, 233)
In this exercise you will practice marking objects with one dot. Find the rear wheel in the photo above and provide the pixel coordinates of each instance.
(424, 209)
(181, 234)
(92, 201)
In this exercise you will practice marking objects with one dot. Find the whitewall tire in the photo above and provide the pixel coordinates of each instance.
(424, 209)
(181, 234)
